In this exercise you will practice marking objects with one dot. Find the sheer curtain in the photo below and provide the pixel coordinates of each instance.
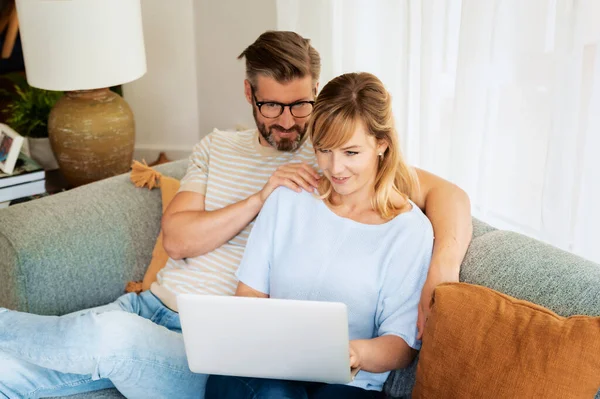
(501, 97)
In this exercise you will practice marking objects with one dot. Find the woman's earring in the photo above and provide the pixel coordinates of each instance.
(381, 154)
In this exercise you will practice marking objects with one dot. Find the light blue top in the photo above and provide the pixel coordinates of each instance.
(300, 249)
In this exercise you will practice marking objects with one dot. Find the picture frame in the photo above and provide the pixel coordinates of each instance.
(10, 146)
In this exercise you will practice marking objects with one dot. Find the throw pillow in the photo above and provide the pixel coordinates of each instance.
(480, 343)
(144, 176)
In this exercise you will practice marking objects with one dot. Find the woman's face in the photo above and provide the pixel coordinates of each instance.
(352, 168)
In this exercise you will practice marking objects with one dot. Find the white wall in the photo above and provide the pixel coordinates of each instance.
(223, 30)
(164, 101)
(194, 81)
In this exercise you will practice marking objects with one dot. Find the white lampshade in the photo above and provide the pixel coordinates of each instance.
(81, 44)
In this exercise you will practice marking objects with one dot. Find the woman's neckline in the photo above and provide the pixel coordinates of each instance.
(356, 223)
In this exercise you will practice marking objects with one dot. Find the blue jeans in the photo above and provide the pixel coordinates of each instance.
(226, 387)
(133, 344)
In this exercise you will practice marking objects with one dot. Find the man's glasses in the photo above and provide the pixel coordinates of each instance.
(271, 110)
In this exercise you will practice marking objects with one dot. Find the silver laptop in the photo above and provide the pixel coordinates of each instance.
(266, 338)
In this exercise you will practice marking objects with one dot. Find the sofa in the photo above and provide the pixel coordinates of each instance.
(77, 249)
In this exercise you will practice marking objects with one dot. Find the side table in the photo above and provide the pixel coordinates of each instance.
(56, 182)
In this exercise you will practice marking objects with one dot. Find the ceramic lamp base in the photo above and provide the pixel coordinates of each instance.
(92, 133)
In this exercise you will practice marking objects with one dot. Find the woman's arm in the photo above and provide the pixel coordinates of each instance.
(254, 272)
(381, 354)
(397, 307)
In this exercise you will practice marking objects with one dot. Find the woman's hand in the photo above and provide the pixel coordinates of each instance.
(381, 354)
(355, 354)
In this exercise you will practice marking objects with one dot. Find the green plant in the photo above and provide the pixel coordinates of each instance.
(29, 109)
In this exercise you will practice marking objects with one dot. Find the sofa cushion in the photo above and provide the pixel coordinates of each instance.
(480, 228)
(77, 249)
(480, 343)
(528, 269)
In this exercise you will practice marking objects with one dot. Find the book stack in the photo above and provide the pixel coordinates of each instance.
(27, 179)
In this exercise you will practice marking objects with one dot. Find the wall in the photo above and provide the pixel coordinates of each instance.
(164, 101)
(194, 81)
(223, 30)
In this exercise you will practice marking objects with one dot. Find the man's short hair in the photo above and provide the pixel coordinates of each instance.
(283, 56)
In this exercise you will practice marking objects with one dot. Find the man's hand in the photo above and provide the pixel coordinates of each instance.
(295, 176)
(434, 278)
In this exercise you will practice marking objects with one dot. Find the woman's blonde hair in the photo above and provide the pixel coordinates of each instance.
(347, 101)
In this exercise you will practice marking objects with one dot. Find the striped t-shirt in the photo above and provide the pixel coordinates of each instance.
(226, 167)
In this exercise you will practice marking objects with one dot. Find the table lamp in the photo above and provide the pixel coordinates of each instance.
(83, 47)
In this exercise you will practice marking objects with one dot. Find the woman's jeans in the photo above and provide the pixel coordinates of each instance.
(133, 344)
(225, 387)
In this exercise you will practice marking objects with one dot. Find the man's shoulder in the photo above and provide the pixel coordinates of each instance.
(237, 142)
(307, 148)
(231, 136)
(306, 153)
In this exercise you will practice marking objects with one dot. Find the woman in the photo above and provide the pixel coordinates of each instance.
(361, 242)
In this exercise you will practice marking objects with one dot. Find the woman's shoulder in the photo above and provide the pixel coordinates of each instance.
(291, 199)
(414, 222)
(412, 243)
(288, 206)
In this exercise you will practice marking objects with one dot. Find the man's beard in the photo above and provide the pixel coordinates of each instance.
(284, 144)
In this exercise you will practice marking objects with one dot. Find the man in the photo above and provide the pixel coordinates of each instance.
(135, 343)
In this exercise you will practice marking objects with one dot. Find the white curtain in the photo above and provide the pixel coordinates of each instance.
(501, 97)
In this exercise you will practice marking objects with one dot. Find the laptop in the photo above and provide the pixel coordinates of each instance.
(266, 338)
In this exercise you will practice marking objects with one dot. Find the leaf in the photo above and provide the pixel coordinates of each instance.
(29, 110)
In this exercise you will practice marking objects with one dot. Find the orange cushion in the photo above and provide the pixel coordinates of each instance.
(144, 176)
(480, 343)
(168, 188)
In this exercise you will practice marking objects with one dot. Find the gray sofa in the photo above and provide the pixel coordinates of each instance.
(77, 249)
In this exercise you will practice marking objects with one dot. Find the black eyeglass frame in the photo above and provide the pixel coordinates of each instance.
(259, 105)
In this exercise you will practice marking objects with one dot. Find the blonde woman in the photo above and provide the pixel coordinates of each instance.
(361, 242)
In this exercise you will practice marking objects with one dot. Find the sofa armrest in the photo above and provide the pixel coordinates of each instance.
(77, 249)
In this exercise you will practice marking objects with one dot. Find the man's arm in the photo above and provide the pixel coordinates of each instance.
(449, 211)
(189, 230)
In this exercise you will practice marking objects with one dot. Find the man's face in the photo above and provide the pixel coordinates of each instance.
(285, 132)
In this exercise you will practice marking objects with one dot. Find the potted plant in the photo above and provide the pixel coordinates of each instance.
(27, 113)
